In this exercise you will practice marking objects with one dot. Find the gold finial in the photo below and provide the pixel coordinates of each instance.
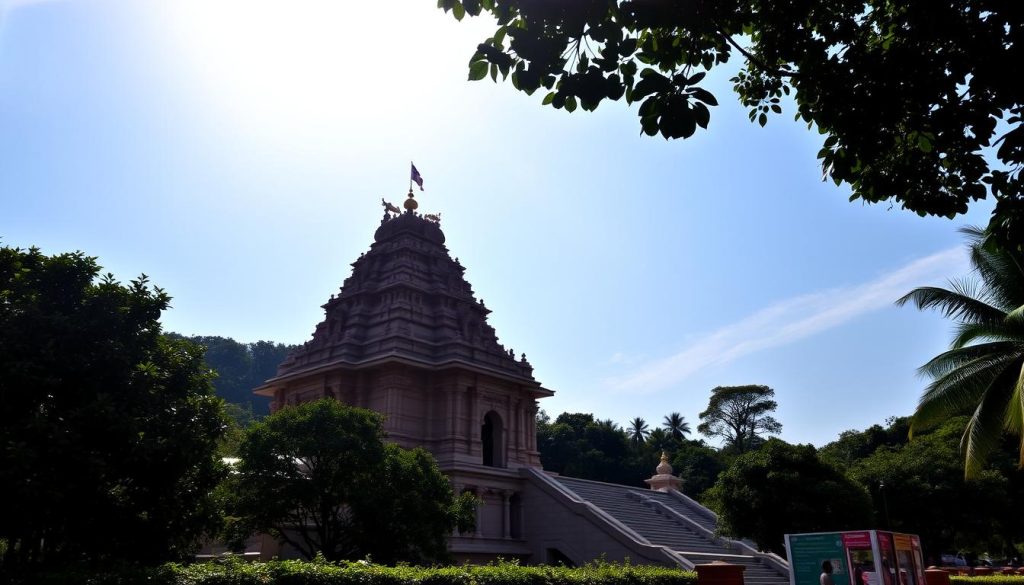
(411, 204)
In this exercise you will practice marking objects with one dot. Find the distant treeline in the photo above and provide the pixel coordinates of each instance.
(241, 367)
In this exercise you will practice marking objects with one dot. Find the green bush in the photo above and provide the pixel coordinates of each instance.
(234, 572)
(987, 580)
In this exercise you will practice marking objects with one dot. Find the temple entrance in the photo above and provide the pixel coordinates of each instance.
(491, 436)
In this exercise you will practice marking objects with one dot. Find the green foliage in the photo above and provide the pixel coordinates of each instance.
(699, 466)
(852, 446)
(233, 572)
(983, 371)
(913, 99)
(108, 427)
(240, 368)
(579, 446)
(319, 477)
(675, 425)
(638, 431)
(783, 488)
(740, 415)
(987, 580)
(925, 491)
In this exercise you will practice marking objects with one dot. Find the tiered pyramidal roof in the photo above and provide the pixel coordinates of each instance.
(406, 299)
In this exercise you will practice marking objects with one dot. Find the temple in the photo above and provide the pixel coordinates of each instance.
(406, 337)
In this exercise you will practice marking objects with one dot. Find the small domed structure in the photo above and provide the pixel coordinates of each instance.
(664, 468)
(411, 204)
(663, 480)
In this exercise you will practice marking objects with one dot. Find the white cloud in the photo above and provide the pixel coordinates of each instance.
(788, 321)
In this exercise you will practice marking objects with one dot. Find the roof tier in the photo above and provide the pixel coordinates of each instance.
(406, 298)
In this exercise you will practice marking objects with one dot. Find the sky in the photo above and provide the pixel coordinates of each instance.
(236, 152)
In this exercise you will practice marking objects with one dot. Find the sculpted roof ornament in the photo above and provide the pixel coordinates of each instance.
(664, 468)
(410, 203)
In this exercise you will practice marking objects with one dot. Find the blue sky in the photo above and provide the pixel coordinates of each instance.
(237, 152)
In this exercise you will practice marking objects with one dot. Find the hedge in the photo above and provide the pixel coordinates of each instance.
(987, 580)
(235, 572)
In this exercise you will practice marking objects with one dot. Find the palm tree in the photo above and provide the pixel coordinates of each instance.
(675, 424)
(638, 431)
(983, 371)
(659, 440)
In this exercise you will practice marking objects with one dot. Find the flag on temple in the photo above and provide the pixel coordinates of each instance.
(415, 177)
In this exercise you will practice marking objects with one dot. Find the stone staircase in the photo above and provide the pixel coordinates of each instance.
(677, 523)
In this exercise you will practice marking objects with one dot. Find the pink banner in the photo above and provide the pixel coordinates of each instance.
(857, 539)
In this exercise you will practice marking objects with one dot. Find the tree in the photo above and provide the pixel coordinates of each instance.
(853, 446)
(914, 100)
(241, 367)
(699, 466)
(319, 477)
(658, 440)
(676, 426)
(579, 446)
(109, 428)
(740, 416)
(911, 481)
(782, 488)
(982, 371)
(638, 431)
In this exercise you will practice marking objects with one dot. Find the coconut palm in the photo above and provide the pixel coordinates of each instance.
(638, 431)
(676, 426)
(659, 440)
(983, 371)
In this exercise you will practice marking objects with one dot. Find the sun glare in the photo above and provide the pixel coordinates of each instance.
(299, 65)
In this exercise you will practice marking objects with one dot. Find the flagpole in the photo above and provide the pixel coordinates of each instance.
(410, 176)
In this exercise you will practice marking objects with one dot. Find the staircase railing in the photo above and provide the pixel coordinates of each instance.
(617, 530)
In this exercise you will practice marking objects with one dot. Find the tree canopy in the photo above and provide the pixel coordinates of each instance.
(675, 424)
(916, 100)
(782, 488)
(910, 480)
(983, 371)
(319, 477)
(577, 445)
(740, 415)
(107, 427)
(241, 367)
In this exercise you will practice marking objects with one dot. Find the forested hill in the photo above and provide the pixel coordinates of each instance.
(241, 367)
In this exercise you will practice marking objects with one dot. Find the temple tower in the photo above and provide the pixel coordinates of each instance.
(407, 338)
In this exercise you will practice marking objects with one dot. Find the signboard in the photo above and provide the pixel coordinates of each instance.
(861, 539)
(807, 554)
(864, 557)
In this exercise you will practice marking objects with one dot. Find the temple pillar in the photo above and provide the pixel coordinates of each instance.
(506, 496)
(477, 528)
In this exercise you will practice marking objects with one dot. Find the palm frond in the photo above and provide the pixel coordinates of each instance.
(966, 334)
(1015, 410)
(985, 429)
(1001, 270)
(953, 305)
(983, 370)
(1015, 318)
(957, 391)
(948, 361)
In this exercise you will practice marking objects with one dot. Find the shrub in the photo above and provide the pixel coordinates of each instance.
(987, 580)
(232, 571)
